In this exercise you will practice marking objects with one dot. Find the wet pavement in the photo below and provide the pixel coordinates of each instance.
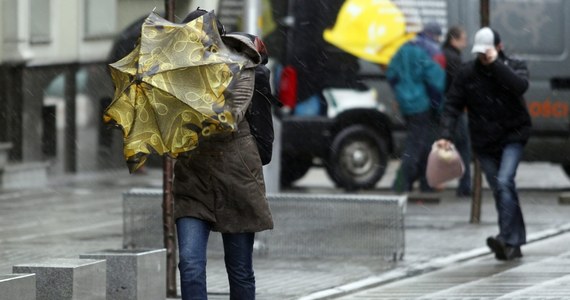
(83, 213)
(543, 273)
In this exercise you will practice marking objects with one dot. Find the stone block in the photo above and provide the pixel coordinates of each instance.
(68, 279)
(18, 286)
(24, 175)
(134, 274)
(142, 219)
(4, 153)
(351, 225)
(306, 225)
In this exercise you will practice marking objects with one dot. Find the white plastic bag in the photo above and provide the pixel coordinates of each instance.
(443, 165)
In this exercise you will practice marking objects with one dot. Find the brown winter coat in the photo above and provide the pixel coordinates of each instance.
(222, 180)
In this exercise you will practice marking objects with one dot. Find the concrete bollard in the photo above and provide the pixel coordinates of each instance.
(18, 286)
(134, 274)
(142, 219)
(67, 279)
(4, 153)
(305, 224)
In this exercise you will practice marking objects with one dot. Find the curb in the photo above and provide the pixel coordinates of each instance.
(430, 266)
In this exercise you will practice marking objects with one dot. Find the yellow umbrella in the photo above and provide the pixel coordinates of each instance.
(370, 29)
(170, 90)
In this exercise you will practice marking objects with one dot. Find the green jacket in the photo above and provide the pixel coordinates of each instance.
(417, 80)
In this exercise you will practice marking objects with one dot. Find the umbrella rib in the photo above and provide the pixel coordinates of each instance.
(128, 86)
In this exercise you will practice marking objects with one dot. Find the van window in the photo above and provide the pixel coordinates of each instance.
(533, 27)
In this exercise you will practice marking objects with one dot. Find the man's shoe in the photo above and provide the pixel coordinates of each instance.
(513, 253)
(498, 247)
(503, 251)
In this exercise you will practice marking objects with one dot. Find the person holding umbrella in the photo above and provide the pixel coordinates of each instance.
(220, 187)
(184, 92)
(491, 87)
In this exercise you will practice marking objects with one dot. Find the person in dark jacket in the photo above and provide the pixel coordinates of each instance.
(455, 42)
(491, 87)
(219, 187)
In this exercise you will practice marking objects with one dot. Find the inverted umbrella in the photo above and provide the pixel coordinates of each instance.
(171, 90)
(373, 30)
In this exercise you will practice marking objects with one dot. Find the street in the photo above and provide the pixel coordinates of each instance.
(83, 213)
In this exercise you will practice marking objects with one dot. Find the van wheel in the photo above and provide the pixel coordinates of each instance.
(358, 158)
(293, 168)
(566, 168)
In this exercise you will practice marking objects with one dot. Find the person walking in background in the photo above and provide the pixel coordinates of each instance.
(220, 187)
(429, 39)
(418, 82)
(491, 87)
(455, 42)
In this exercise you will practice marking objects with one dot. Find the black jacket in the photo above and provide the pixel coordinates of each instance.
(493, 96)
(452, 64)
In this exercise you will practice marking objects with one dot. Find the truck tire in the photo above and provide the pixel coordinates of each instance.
(293, 168)
(566, 168)
(358, 158)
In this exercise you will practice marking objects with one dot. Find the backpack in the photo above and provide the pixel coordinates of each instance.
(259, 114)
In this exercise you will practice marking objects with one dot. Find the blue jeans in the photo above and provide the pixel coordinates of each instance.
(500, 170)
(193, 237)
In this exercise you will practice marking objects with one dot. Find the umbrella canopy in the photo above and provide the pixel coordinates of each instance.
(171, 89)
(373, 30)
(127, 40)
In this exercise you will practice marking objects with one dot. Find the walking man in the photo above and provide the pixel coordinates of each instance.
(491, 87)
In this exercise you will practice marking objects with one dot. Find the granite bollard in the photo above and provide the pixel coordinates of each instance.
(134, 274)
(67, 279)
(306, 225)
(142, 219)
(18, 286)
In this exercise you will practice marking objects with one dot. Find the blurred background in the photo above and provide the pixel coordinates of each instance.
(339, 114)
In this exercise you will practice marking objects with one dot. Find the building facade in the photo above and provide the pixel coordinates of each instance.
(55, 82)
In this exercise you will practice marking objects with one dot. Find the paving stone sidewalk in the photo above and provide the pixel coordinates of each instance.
(83, 213)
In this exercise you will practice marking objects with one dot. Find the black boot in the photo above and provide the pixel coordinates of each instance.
(503, 251)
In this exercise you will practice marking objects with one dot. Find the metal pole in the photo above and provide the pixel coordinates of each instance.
(477, 177)
(70, 119)
(168, 223)
(168, 202)
(252, 13)
(477, 193)
(485, 12)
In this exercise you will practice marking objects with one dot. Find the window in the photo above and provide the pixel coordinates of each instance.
(100, 18)
(534, 27)
(40, 25)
